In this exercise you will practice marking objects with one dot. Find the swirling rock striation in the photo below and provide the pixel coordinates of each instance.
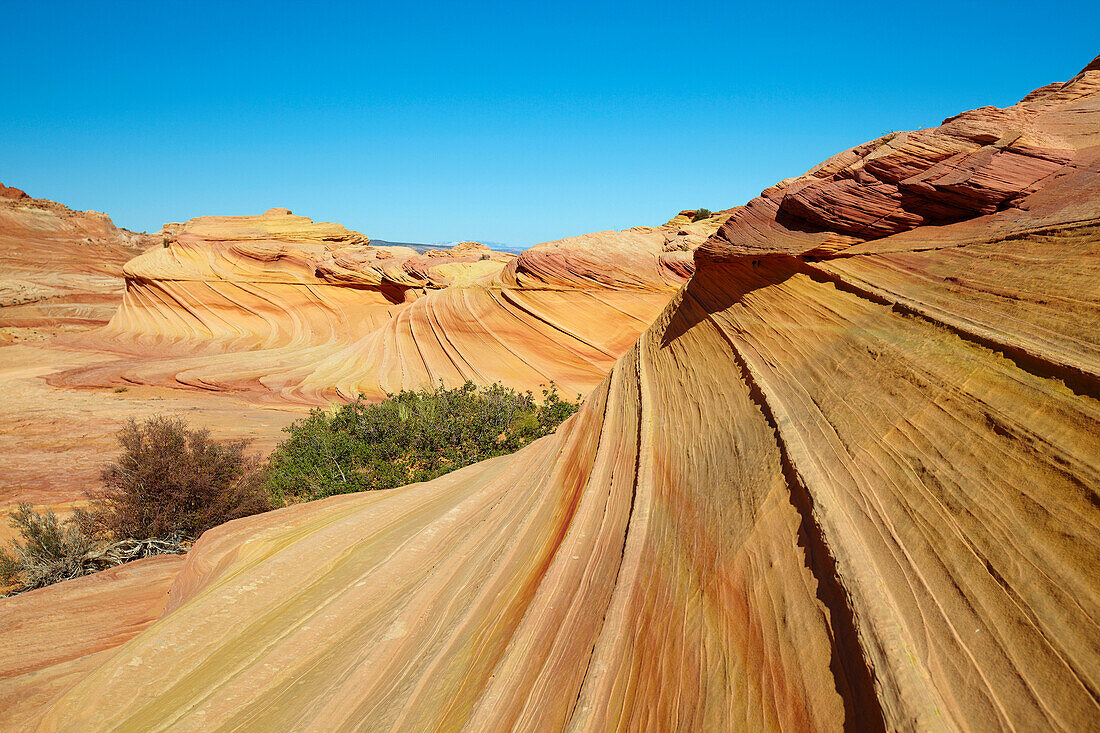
(280, 308)
(829, 487)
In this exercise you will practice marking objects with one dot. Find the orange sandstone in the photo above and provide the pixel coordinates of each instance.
(847, 478)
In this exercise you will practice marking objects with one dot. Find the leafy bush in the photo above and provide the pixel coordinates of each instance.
(408, 437)
(701, 214)
(174, 481)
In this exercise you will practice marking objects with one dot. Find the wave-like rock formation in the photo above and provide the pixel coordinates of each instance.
(47, 645)
(846, 480)
(281, 308)
(60, 270)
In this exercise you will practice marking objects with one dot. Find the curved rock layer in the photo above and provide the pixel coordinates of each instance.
(280, 308)
(816, 494)
(60, 270)
(34, 671)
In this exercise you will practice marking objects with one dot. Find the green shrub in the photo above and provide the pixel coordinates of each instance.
(701, 214)
(408, 437)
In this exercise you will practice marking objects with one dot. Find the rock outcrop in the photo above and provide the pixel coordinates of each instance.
(987, 161)
(653, 259)
(47, 642)
(242, 322)
(846, 479)
(60, 270)
(9, 192)
(280, 308)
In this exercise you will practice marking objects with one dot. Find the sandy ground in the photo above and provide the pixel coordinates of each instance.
(54, 441)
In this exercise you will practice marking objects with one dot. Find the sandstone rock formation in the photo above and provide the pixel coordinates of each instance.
(10, 192)
(60, 270)
(47, 642)
(847, 479)
(61, 276)
(240, 323)
(280, 308)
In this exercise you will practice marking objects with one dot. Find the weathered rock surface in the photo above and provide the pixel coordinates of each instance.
(55, 441)
(987, 161)
(642, 258)
(60, 270)
(847, 478)
(53, 639)
(239, 323)
(9, 192)
(279, 308)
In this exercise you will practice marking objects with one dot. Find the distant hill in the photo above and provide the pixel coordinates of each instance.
(444, 245)
(417, 247)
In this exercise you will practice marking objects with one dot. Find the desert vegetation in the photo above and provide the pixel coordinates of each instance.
(408, 437)
(172, 482)
(169, 485)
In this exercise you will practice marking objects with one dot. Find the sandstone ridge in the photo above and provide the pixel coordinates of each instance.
(61, 269)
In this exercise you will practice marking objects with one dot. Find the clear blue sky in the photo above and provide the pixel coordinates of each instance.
(508, 122)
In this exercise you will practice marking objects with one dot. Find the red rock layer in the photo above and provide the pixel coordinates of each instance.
(988, 161)
(60, 270)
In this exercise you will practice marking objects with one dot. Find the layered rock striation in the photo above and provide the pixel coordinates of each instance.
(280, 308)
(60, 270)
(847, 479)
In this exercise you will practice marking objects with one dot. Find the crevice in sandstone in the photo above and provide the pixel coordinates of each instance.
(1080, 382)
(851, 671)
(626, 534)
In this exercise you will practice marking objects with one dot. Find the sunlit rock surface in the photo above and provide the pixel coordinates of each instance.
(241, 323)
(847, 478)
(48, 642)
(279, 308)
(60, 270)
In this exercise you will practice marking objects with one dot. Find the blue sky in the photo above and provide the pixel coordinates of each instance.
(507, 122)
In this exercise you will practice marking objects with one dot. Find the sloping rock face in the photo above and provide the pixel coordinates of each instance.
(986, 161)
(857, 492)
(638, 259)
(47, 643)
(60, 270)
(282, 309)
